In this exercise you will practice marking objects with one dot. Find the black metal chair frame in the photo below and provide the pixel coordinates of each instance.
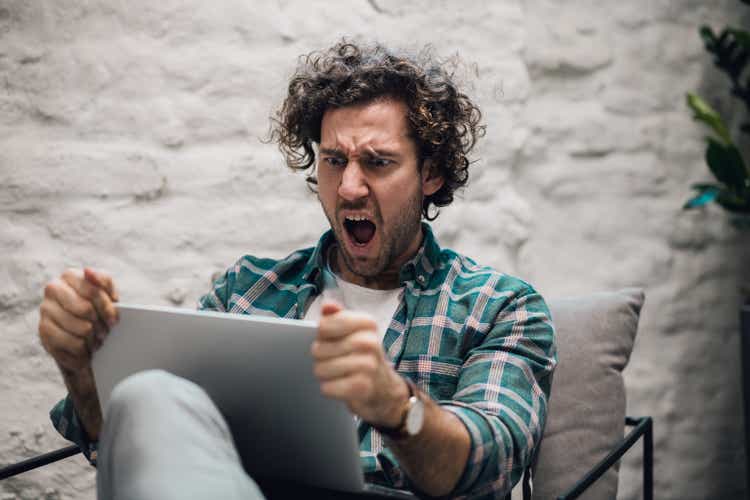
(641, 427)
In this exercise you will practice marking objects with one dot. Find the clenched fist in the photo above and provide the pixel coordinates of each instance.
(76, 313)
(352, 367)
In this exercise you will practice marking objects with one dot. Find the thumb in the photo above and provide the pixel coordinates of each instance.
(330, 307)
(92, 277)
(101, 280)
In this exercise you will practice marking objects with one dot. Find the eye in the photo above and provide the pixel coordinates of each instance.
(379, 162)
(335, 161)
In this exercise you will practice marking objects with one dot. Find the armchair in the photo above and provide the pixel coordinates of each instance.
(583, 438)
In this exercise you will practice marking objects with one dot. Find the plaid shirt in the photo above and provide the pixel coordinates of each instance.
(479, 342)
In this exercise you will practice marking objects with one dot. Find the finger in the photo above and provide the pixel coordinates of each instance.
(344, 323)
(363, 341)
(68, 350)
(94, 294)
(61, 292)
(103, 304)
(102, 280)
(330, 307)
(348, 388)
(67, 322)
(345, 365)
(92, 333)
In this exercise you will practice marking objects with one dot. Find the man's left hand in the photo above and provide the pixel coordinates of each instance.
(352, 367)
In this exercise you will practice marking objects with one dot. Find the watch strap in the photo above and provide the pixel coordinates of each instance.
(399, 432)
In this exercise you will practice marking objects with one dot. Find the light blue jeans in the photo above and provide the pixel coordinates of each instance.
(163, 438)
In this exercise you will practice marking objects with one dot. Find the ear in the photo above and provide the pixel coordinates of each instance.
(431, 180)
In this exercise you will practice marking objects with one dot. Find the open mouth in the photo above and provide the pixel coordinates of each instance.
(360, 229)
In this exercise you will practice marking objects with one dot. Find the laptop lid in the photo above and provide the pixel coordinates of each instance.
(259, 372)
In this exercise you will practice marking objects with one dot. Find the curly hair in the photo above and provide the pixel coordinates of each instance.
(444, 123)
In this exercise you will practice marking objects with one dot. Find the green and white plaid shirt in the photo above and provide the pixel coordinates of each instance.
(479, 342)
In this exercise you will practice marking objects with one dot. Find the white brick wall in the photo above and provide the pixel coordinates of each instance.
(129, 141)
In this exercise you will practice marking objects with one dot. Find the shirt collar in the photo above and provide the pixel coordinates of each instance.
(313, 271)
(417, 270)
(420, 268)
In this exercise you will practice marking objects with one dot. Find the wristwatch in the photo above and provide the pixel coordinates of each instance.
(412, 417)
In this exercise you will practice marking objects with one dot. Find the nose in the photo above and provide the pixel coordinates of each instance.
(353, 182)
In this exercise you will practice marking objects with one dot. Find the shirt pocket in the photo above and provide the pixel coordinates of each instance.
(436, 375)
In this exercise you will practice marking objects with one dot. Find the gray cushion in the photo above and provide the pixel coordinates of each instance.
(595, 336)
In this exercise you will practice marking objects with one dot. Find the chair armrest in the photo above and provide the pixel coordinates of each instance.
(38, 461)
(642, 427)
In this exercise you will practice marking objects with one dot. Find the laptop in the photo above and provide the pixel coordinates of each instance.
(259, 372)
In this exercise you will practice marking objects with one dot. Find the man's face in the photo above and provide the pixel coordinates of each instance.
(371, 190)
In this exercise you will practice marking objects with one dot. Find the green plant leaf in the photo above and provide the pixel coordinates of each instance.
(705, 185)
(742, 37)
(733, 202)
(706, 194)
(707, 34)
(727, 165)
(702, 111)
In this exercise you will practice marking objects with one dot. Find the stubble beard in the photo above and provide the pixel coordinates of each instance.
(394, 241)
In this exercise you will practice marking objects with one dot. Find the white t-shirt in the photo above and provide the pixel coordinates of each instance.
(380, 304)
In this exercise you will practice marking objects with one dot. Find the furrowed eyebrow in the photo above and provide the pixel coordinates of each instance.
(332, 152)
(371, 152)
(384, 153)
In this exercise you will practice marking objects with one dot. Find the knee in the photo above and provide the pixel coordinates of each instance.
(147, 389)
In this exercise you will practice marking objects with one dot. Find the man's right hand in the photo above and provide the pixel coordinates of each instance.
(76, 314)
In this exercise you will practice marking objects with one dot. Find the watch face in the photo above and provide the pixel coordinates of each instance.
(415, 417)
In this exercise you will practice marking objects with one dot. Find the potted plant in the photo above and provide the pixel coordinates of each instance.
(731, 52)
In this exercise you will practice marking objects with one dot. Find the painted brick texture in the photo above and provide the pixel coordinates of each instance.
(130, 140)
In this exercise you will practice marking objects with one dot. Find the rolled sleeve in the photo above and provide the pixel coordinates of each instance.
(217, 298)
(501, 396)
(66, 421)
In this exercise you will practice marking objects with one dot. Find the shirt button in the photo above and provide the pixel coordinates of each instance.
(421, 279)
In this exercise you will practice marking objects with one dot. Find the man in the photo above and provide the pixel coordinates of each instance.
(448, 364)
